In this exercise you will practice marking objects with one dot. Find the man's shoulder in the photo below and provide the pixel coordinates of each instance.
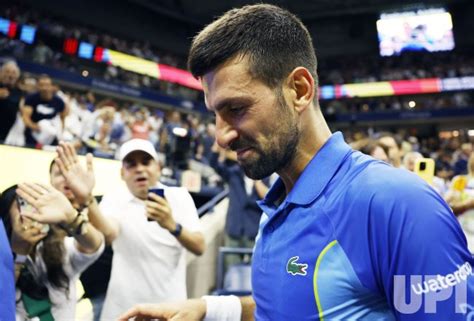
(116, 196)
(57, 101)
(376, 177)
(382, 188)
(32, 99)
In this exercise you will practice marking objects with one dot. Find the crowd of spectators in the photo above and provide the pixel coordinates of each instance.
(62, 28)
(461, 99)
(95, 123)
(332, 71)
(417, 65)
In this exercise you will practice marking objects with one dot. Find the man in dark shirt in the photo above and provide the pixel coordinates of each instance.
(44, 104)
(10, 97)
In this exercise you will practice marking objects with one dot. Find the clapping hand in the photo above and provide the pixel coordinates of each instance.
(52, 206)
(80, 180)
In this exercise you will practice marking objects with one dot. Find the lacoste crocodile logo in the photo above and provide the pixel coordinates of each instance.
(294, 268)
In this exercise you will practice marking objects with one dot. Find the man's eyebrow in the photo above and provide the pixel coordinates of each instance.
(231, 101)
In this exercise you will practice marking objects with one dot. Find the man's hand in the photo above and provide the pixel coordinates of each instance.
(4, 93)
(51, 205)
(158, 209)
(190, 310)
(81, 180)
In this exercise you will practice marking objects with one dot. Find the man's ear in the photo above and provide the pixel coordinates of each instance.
(301, 86)
(121, 172)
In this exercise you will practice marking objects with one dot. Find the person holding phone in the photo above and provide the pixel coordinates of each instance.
(52, 243)
(150, 231)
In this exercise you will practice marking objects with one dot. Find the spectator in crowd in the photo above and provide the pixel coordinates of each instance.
(462, 158)
(243, 213)
(409, 160)
(443, 167)
(149, 261)
(10, 97)
(140, 127)
(373, 148)
(43, 114)
(97, 130)
(337, 225)
(205, 142)
(28, 84)
(42, 54)
(461, 199)
(47, 263)
(77, 182)
(394, 152)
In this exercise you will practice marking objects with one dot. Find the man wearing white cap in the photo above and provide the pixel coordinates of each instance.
(149, 234)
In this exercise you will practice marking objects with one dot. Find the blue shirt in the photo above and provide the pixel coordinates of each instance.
(7, 278)
(358, 239)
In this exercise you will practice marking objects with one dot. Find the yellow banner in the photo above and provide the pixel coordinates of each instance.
(135, 64)
(369, 90)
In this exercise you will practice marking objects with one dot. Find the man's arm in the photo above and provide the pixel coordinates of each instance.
(189, 310)
(107, 225)
(26, 113)
(460, 207)
(159, 210)
(192, 241)
(248, 308)
(425, 241)
(81, 181)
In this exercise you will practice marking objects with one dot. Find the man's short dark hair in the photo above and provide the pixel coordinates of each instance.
(44, 76)
(274, 40)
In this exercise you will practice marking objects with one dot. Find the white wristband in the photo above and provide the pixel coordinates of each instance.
(222, 308)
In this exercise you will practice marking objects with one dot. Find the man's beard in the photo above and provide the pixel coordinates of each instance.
(279, 152)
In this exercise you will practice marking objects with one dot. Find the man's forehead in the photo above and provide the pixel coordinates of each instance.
(230, 80)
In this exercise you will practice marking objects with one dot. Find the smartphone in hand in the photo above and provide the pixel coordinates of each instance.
(27, 207)
(425, 168)
(158, 191)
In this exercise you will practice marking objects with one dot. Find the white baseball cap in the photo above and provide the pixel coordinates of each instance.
(137, 144)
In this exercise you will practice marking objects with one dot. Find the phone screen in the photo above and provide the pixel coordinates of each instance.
(158, 191)
(26, 207)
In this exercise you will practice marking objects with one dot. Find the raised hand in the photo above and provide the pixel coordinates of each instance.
(190, 310)
(51, 205)
(80, 180)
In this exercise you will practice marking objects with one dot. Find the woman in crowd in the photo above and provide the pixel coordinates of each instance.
(38, 220)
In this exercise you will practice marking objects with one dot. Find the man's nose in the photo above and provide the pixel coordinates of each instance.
(225, 133)
(140, 167)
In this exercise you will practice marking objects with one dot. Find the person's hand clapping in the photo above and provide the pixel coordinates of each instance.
(80, 180)
(52, 207)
